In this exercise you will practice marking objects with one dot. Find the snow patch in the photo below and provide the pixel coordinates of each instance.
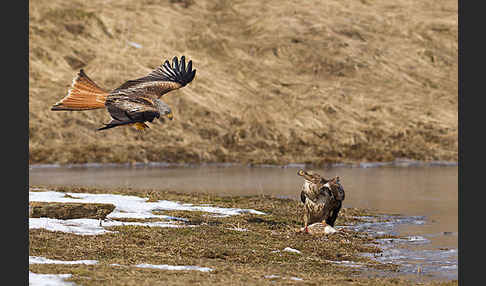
(132, 206)
(125, 207)
(417, 239)
(43, 260)
(49, 279)
(288, 249)
(237, 229)
(346, 263)
(87, 226)
(273, 276)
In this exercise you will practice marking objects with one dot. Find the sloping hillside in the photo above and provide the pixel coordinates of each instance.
(277, 81)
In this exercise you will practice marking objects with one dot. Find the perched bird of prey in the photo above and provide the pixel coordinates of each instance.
(322, 198)
(134, 102)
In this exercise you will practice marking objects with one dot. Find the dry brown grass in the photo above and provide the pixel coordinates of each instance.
(277, 82)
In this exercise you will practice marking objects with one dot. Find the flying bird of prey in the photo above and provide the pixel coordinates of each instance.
(135, 101)
(322, 198)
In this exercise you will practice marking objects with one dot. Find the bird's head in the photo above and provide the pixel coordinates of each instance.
(311, 176)
(167, 112)
(164, 110)
(170, 115)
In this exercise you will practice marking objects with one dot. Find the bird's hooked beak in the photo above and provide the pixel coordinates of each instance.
(170, 115)
(304, 174)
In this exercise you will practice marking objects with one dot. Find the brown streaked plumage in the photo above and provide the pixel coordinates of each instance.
(322, 198)
(135, 101)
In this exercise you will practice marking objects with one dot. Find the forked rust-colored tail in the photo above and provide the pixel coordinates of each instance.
(84, 94)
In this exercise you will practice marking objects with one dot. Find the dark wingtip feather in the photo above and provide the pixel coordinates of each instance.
(183, 64)
(191, 77)
(178, 72)
(175, 63)
(189, 66)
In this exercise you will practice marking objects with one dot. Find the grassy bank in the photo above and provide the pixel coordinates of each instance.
(237, 257)
(277, 82)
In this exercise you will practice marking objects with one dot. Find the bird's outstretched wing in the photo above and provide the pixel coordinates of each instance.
(128, 110)
(163, 79)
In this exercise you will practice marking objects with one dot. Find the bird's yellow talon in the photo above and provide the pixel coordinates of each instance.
(140, 126)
